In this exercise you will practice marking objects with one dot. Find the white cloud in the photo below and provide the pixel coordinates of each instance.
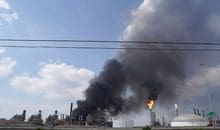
(7, 15)
(6, 66)
(2, 50)
(55, 81)
(4, 5)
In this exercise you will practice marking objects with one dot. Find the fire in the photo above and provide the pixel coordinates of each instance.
(150, 103)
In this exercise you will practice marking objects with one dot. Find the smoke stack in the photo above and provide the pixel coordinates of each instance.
(176, 108)
(203, 113)
(163, 121)
(39, 113)
(71, 107)
(194, 110)
(71, 113)
(198, 112)
(56, 112)
(24, 114)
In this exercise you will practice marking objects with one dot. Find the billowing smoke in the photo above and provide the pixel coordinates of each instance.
(135, 75)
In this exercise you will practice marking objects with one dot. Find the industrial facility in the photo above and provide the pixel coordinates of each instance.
(101, 118)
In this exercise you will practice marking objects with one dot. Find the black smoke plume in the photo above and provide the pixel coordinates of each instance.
(135, 75)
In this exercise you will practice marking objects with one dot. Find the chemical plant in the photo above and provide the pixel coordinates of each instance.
(100, 119)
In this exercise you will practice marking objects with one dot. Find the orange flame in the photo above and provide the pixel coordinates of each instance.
(150, 103)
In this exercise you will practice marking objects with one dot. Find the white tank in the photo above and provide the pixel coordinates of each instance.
(123, 123)
(189, 120)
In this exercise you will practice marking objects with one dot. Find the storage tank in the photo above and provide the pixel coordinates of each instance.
(123, 123)
(189, 120)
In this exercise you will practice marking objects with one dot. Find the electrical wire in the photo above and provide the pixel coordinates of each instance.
(111, 41)
(9, 45)
(114, 48)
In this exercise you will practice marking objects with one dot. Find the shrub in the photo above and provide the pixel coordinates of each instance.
(146, 128)
(39, 129)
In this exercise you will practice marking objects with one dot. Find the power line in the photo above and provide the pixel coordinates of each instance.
(111, 41)
(115, 48)
(8, 45)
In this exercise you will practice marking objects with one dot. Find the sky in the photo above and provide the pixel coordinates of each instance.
(49, 79)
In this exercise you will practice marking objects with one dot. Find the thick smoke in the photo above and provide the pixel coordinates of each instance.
(105, 90)
(128, 80)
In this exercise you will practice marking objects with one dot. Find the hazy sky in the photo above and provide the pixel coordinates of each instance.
(49, 79)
